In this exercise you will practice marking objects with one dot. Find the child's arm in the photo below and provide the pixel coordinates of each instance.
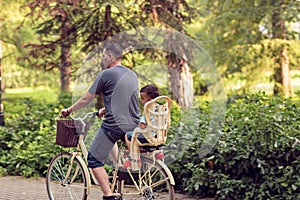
(143, 122)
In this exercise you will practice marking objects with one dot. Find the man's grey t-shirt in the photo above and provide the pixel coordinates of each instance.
(119, 86)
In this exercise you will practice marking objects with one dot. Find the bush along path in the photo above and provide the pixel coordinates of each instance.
(257, 155)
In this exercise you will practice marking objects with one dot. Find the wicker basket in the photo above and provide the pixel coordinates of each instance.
(68, 131)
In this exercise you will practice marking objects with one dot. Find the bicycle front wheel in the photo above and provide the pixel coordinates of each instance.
(151, 182)
(59, 186)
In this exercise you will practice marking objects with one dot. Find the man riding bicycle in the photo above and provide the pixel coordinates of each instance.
(119, 86)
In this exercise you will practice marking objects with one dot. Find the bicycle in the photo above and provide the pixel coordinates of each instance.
(68, 176)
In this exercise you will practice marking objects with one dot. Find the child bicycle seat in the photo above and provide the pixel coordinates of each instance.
(157, 114)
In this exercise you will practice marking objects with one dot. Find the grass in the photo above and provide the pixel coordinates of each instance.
(12, 99)
(39, 93)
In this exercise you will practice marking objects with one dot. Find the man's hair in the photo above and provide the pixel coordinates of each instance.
(151, 90)
(115, 49)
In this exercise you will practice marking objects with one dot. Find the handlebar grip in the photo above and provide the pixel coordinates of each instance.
(64, 114)
(96, 113)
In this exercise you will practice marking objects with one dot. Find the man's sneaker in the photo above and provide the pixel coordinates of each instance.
(110, 198)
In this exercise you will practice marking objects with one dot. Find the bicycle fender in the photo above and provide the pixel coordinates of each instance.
(168, 172)
(86, 171)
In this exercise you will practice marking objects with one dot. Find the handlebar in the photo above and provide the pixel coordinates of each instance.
(90, 114)
(81, 119)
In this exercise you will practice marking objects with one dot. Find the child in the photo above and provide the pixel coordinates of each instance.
(147, 93)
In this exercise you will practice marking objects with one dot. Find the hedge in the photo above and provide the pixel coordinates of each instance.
(257, 155)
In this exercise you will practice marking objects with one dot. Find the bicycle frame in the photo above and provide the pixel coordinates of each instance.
(82, 152)
(81, 148)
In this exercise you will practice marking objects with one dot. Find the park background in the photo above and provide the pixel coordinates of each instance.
(254, 44)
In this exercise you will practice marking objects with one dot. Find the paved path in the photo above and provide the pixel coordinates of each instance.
(18, 188)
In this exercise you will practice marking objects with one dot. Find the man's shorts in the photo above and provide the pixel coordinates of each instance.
(101, 146)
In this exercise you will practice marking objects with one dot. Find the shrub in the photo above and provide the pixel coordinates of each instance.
(27, 140)
(257, 155)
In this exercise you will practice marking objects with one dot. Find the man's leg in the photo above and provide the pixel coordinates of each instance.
(102, 178)
(114, 154)
(99, 150)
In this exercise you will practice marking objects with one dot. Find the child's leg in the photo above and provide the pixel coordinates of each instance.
(128, 137)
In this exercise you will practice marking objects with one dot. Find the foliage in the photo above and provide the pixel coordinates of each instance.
(12, 34)
(54, 30)
(93, 22)
(175, 114)
(65, 98)
(256, 157)
(15, 76)
(235, 34)
(27, 140)
(242, 23)
(258, 63)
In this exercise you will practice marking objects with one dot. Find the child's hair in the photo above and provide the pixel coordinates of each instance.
(151, 90)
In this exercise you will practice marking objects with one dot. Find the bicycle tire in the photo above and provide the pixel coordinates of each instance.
(157, 173)
(56, 173)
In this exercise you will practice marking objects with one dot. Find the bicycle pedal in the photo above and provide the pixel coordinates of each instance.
(127, 163)
(160, 156)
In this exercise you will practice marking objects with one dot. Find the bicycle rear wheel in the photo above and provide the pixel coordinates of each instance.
(75, 186)
(154, 183)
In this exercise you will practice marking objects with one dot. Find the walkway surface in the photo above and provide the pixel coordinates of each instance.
(18, 188)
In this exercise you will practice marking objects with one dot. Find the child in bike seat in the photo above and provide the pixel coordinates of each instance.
(147, 93)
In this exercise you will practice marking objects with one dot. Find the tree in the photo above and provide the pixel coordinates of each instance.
(173, 14)
(282, 76)
(14, 36)
(56, 32)
(92, 22)
(154, 13)
(242, 40)
(1, 91)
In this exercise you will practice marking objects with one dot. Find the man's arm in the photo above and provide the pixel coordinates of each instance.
(80, 103)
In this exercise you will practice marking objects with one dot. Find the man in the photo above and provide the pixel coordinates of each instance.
(119, 87)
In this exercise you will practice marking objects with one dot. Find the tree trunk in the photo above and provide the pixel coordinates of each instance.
(1, 89)
(65, 57)
(282, 77)
(106, 33)
(285, 73)
(181, 80)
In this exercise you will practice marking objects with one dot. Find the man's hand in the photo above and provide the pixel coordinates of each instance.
(65, 112)
(102, 112)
